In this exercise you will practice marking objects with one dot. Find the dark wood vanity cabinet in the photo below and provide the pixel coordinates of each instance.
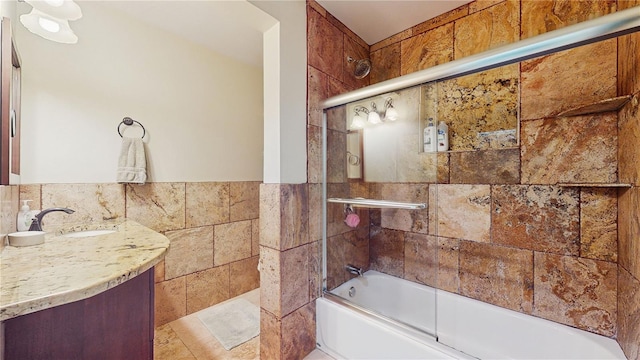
(116, 324)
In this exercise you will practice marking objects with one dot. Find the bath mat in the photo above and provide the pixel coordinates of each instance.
(232, 323)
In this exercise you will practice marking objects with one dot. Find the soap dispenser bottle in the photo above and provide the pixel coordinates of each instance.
(443, 136)
(24, 217)
(430, 137)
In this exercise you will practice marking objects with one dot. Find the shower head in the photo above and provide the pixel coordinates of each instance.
(362, 67)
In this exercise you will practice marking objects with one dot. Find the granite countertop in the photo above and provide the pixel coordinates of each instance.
(64, 269)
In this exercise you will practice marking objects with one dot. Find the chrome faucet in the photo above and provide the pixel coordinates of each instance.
(353, 270)
(36, 222)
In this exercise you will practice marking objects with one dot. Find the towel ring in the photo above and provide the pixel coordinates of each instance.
(129, 121)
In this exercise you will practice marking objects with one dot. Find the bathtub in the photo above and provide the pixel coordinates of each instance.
(466, 328)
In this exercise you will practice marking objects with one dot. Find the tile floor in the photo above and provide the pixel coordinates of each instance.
(188, 339)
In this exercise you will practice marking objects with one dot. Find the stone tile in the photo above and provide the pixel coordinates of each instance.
(385, 63)
(244, 200)
(317, 87)
(317, 7)
(568, 79)
(270, 215)
(541, 218)
(386, 252)
(9, 209)
(158, 272)
(356, 51)
(539, 17)
(270, 336)
(91, 202)
(599, 224)
(167, 345)
(628, 58)
(336, 119)
(158, 206)
(190, 250)
(478, 5)
(464, 212)
(426, 50)
(244, 276)
(299, 332)
(336, 156)
(270, 284)
(577, 292)
(482, 103)
(207, 203)
(294, 210)
(448, 264)
(294, 276)
(170, 300)
(417, 166)
(350, 248)
(628, 314)
(629, 230)
(335, 212)
(314, 154)
(337, 87)
(315, 212)
(446, 18)
(207, 288)
(324, 45)
(31, 192)
(580, 149)
(420, 259)
(231, 242)
(498, 275)
(407, 220)
(628, 140)
(486, 167)
(395, 38)
(487, 29)
(255, 237)
(315, 270)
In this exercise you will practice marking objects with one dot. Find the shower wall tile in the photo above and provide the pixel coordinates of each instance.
(486, 167)
(337, 87)
(386, 252)
(464, 212)
(420, 259)
(541, 218)
(448, 264)
(335, 212)
(357, 52)
(351, 248)
(244, 201)
(270, 335)
(478, 5)
(255, 237)
(628, 140)
(270, 285)
(628, 314)
(324, 45)
(407, 220)
(158, 206)
(482, 103)
(487, 29)
(385, 63)
(207, 288)
(294, 277)
(294, 218)
(315, 270)
(417, 166)
(336, 156)
(207, 203)
(31, 192)
(314, 154)
(539, 17)
(232, 242)
(170, 300)
(190, 250)
(628, 57)
(428, 49)
(550, 84)
(577, 292)
(244, 276)
(443, 19)
(91, 202)
(315, 212)
(599, 224)
(299, 332)
(629, 230)
(580, 149)
(317, 85)
(336, 118)
(393, 39)
(498, 275)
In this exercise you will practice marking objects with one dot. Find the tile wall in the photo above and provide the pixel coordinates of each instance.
(506, 232)
(213, 228)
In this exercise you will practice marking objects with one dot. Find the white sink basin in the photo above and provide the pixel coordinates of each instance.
(26, 238)
(88, 233)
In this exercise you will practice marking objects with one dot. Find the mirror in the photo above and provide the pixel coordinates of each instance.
(10, 107)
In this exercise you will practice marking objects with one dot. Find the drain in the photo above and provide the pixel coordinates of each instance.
(352, 291)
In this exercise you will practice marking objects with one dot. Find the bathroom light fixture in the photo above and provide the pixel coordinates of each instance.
(49, 27)
(374, 116)
(61, 9)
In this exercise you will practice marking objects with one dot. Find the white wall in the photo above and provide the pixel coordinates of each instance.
(202, 111)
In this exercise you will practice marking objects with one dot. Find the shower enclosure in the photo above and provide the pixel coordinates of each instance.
(378, 169)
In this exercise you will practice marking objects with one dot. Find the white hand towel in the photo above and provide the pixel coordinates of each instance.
(132, 163)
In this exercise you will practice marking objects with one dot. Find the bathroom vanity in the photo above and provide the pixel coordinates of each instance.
(83, 295)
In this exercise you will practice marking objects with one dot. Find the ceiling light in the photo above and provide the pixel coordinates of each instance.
(48, 27)
(61, 9)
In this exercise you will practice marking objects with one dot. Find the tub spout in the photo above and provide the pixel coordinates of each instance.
(353, 270)
(36, 223)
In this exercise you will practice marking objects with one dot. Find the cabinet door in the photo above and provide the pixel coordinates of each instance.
(116, 324)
